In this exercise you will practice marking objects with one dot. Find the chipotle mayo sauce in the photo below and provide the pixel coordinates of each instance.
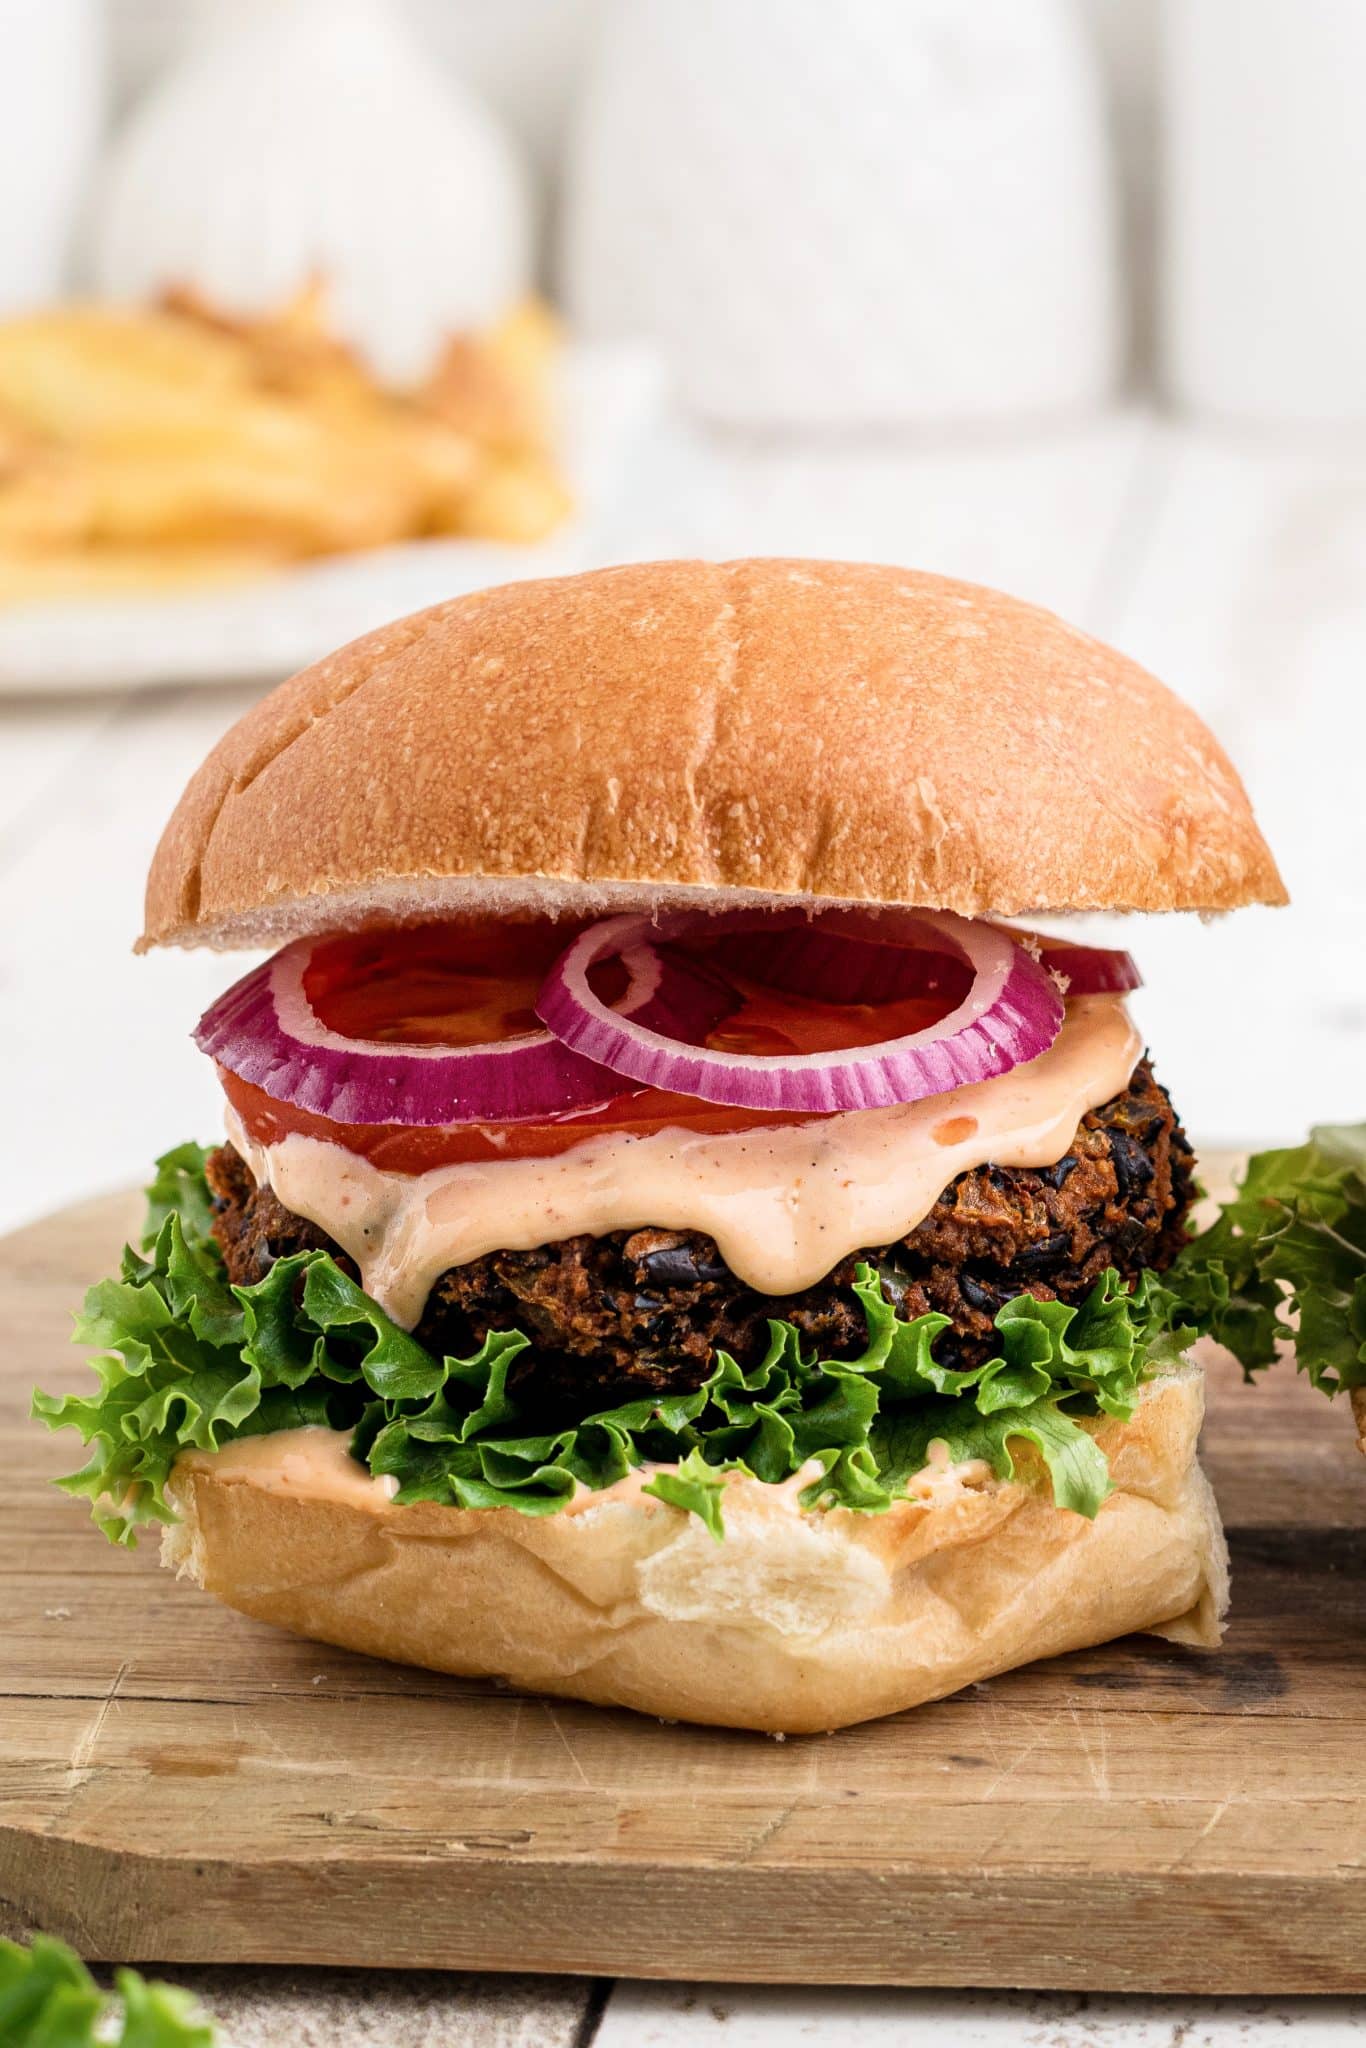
(784, 1203)
(312, 1463)
(315, 1464)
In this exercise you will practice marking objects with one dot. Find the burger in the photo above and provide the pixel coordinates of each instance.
(692, 1232)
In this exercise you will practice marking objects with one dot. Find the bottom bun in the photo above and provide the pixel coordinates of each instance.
(1359, 1414)
(794, 1623)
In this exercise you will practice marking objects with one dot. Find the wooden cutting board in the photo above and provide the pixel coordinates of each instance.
(180, 1784)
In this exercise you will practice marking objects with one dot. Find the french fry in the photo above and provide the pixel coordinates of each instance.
(215, 444)
(514, 501)
(496, 387)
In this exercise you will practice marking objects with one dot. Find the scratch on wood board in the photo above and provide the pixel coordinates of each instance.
(1022, 1755)
(1097, 1758)
(1179, 1861)
(769, 1832)
(83, 1749)
(552, 1715)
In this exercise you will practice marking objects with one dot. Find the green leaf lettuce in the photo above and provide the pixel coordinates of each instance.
(1286, 1258)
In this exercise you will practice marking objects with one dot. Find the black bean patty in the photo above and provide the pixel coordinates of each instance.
(644, 1311)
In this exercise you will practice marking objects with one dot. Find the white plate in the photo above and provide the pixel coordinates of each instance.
(262, 630)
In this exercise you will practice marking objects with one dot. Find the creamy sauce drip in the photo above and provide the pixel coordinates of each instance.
(314, 1463)
(784, 1203)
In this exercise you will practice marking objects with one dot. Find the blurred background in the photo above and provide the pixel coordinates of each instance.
(312, 311)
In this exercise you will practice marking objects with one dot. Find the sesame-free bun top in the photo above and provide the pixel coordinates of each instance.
(653, 734)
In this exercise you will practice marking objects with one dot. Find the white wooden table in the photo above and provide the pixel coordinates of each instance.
(1236, 570)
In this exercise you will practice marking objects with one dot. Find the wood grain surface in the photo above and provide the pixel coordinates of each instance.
(180, 1784)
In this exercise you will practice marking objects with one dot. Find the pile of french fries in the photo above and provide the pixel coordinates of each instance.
(145, 449)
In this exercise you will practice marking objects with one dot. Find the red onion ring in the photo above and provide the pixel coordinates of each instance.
(812, 959)
(264, 1030)
(809, 959)
(1090, 970)
(1011, 1013)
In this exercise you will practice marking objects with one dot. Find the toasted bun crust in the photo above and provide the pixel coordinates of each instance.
(818, 731)
(1359, 1414)
(794, 1623)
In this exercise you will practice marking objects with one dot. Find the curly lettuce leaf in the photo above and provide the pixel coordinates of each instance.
(696, 1487)
(48, 1999)
(178, 1188)
(1286, 1259)
(188, 1360)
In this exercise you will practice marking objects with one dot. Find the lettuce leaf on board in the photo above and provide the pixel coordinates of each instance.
(48, 1999)
(187, 1360)
(1286, 1259)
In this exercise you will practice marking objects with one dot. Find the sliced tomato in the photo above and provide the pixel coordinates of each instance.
(464, 984)
(434, 984)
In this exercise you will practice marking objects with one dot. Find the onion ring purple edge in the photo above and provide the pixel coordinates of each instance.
(1012, 1012)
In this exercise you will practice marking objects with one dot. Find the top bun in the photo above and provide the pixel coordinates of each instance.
(822, 732)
